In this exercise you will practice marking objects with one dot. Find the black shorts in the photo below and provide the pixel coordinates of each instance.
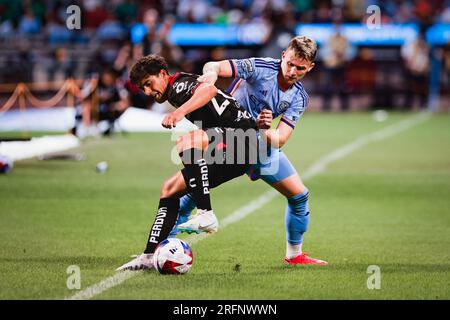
(229, 155)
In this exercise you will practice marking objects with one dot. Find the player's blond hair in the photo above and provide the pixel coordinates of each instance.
(303, 47)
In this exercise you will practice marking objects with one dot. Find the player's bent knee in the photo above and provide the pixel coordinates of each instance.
(174, 187)
(167, 189)
(290, 186)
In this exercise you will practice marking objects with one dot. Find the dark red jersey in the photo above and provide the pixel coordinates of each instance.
(221, 111)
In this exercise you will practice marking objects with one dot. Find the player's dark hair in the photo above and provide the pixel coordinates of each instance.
(147, 66)
(303, 47)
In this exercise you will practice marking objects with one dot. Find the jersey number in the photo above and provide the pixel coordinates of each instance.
(220, 109)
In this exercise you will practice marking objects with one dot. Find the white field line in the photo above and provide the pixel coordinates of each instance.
(317, 168)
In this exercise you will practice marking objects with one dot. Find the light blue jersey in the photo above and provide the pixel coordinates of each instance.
(256, 88)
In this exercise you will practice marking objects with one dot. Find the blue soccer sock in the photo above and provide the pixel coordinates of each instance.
(297, 220)
(187, 204)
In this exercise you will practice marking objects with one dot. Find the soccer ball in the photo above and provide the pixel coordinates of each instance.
(173, 256)
(6, 164)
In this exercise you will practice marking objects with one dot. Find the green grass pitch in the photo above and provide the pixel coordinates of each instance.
(385, 204)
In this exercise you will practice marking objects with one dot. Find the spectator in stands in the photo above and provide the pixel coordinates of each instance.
(94, 14)
(42, 22)
(61, 64)
(280, 28)
(11, 10)
(127, 11)
(56, 30)
(101, 101)
(29, 24)
(130, 94)
(150, 20)
(323, 13)
(444, 16)
(362, 74)
(416, 58)
(110, 106)
(156, 39)
(111, 29)
(423, 9)
(355, 10)
(303, 8)
(83, 124)
(335, 54)
(123, 61)
(194, 11)
(39, 9)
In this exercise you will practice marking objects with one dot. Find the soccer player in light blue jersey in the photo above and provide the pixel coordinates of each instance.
(269, 88)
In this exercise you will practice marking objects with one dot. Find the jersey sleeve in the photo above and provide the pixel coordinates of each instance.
(182, 89)
(295, 110)
(244, 69)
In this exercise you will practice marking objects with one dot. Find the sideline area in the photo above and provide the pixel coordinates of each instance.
(62, 119)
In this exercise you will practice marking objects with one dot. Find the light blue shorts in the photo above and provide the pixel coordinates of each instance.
(273, 168)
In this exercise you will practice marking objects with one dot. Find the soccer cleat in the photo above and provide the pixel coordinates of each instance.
(203, 221)
(140, 262)
(304, 258)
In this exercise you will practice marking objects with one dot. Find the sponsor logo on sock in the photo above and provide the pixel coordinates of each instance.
(157, 225)
(204, 172)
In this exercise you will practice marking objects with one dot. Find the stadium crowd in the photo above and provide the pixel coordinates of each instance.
(37, 46)
(114, 17)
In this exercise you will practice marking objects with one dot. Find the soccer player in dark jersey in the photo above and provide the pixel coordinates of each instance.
(217, 114)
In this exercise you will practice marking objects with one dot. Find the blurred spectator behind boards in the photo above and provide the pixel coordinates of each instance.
(416, 57)
(102, 101)
(156, 39)
(110, 102)
(335, 54)
(130, 94)
(61, 65)
(362, 75)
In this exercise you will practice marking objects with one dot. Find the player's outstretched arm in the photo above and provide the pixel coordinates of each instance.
(214, 69)
(202, 95)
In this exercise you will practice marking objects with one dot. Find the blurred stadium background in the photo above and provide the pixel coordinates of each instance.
(398, 60)
(387, 204)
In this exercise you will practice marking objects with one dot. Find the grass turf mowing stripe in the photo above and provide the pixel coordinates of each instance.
(317, 168)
